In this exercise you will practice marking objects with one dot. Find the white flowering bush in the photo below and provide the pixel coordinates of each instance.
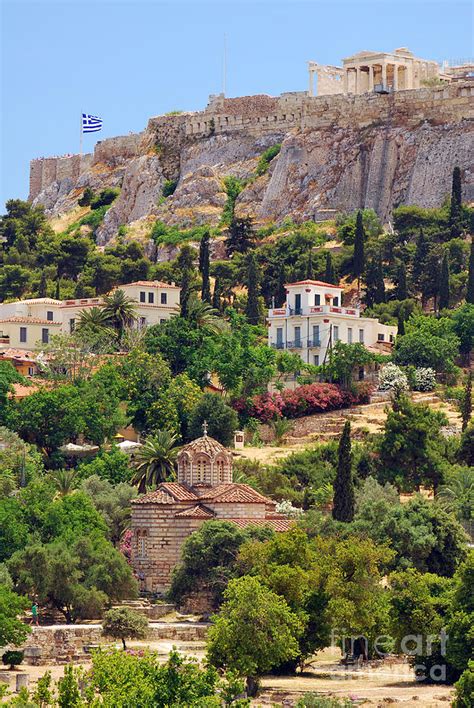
(424, 379)
(392, 378)
(286, 507)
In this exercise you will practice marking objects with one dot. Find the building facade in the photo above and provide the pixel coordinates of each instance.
(313, 319)
(30, 324)
(164, 518)
(369, 71)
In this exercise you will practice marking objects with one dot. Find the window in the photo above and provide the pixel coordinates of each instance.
(335, 333)
(141, 544)
(220, 470)
(297, 304)
(163, 298)
(31, 371)
(380, 337)
(142, 296)
(72, 325)
(317, 300)
(151, 298)
(45, 336)
(49, 316)
(162, 321)
(316, 359)
(361, 336)
(335, 301)
(349, 335)
(23, 332)
(316, 336)
(201, 469)
(297, 336)
(279, 338)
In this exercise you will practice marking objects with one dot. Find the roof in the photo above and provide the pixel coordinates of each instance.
(196, 512)
(282, 524)
(321, 283)
(31, 320)
(204, 444)
(235, 493)
(19, 355)
(179, 491)
(41, 301)
(159, 496)
(149, 284)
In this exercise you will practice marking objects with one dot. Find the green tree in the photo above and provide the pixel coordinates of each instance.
(155, 460)
(112, 465)
(87, 197)
(463, 328)
(466, 409)
(280, 297)
(124, 623)
(112, 502)
(470, 276)
(466, 449)
(359, 249)
(309, 266)
(221, 420)
(185, 262)
(420, 259)
(456, 198)
(204, 267)
(411, 445)
(120, 310)
(254, 631)
(329, 272)
(428, 342)
(402, 289)
(375, 286)
(240, 236)
(217, 294)
(252, 307)
(444, 283)
(343, 505)
(12, 630)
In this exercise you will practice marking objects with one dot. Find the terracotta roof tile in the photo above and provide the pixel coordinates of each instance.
(178, 491)
(273, 523)
(31, 320)
(313, 282)
(150, 284)
(235, 493)
(156, 497)
(196, 512)
(205, 444)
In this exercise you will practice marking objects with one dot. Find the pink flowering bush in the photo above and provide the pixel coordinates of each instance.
(304, 400)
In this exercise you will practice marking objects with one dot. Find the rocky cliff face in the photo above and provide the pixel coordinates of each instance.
(337, 154)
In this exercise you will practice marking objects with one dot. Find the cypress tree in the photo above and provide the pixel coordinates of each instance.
(470, 277)
(329, 273)
(466, 410)
(456, 197)
(371, 283)
(402, 290)
(185, 262)
(400, 325)
(309, 266)
(281, 290)
(216, 295)
(43, 285)
(359, 255)
(343, 506)
(204, 267)
(444, 283)
(252, 309)
(57, 294)
(380, 284)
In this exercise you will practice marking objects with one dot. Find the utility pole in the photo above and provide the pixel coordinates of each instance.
(224, 66)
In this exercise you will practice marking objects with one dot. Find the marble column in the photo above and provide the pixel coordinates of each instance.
(395, 77)
(345, 82)
(311, 82)
(371, 77)
(384, 75)
(357, 81)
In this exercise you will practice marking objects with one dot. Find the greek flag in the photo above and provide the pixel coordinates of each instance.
(91, 124)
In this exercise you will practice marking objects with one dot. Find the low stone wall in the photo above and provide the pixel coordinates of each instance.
(69, 642)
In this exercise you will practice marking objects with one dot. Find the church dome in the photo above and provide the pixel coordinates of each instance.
(204, 462)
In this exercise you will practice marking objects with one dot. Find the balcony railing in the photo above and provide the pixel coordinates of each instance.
(314, 310)
(314, 342)
(278, 345)
(297, 344)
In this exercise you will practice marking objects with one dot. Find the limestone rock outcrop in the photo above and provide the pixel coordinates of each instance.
(338, 153)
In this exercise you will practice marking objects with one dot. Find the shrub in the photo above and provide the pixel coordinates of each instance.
(465, 688)
(392, 378)
(87, 197)
(304, 400)
(266, 158)
(105, 197)
(169, 187)
(12, 658)
(424, 379)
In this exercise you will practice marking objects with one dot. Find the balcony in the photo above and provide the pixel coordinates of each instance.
(298, 344)
(307, 311)
(314, 343)
(278, 345)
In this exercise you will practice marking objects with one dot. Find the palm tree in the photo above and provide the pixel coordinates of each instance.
(458, 495)
(65, 481)
(280, 427)
(119, 310)
(94, 319)
(155, 460)
(204, 316)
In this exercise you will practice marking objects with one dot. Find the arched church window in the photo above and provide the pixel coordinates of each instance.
(220, 468)
(202, 467)
(141, 544)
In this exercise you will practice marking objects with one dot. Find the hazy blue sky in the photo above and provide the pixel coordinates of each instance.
(126, 61)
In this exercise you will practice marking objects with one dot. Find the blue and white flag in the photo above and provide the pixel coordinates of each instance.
(91, 124)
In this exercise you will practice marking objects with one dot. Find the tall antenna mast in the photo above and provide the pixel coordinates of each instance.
(224, 66)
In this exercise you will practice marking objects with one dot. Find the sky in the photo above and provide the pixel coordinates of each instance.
(127, 61)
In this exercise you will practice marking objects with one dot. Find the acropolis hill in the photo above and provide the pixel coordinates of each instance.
(364, 147)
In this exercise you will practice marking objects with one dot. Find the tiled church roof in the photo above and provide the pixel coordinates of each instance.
(272, 523)
(196, 512)
(157, 497)
(204, 444)
(234, 493)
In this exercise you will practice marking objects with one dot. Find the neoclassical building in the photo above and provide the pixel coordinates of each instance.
(164, 518)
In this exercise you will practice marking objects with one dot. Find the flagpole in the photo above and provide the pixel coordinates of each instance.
(224, 66)
(80, 139)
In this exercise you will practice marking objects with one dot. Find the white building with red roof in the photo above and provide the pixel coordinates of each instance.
(313, 319)
(164, 518)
